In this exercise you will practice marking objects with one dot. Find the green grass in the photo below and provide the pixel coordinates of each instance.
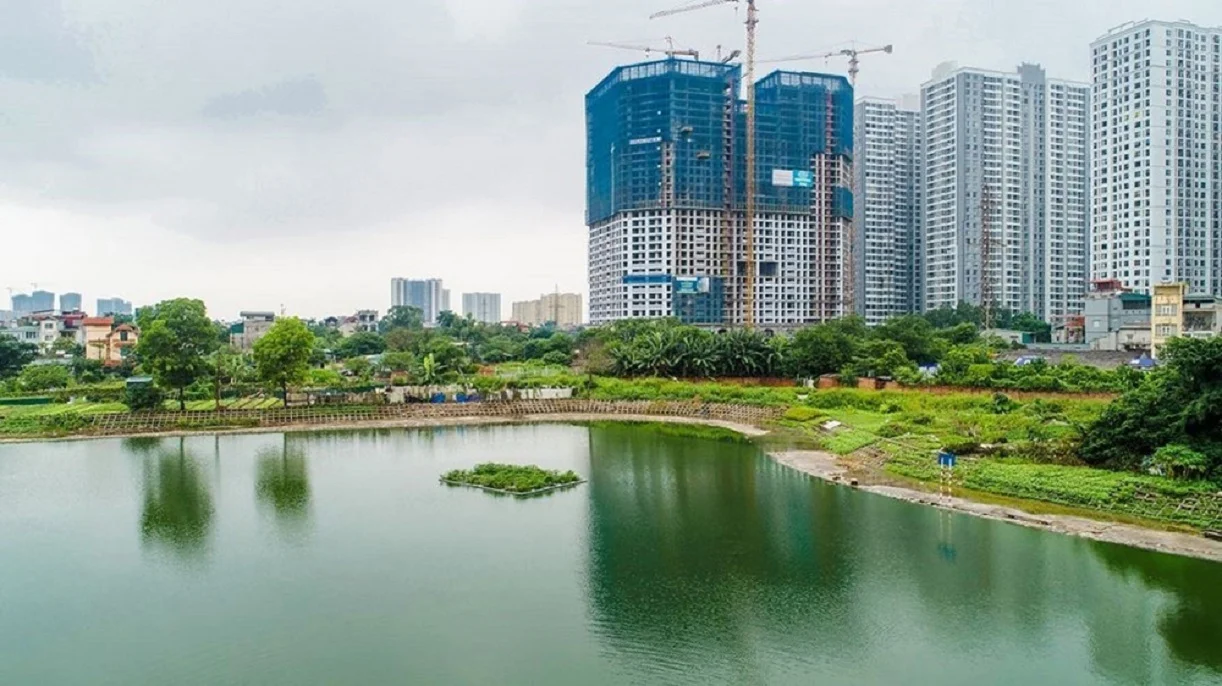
(25, 411)
(515, 479)
(678, 430)
(844, 441)
(227, 403)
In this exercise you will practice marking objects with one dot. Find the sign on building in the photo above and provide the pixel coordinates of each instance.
(691, 285)
(790, 178)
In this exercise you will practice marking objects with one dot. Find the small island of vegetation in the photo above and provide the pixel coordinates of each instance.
(513, 479)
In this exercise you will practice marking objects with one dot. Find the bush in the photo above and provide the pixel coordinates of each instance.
(962, 448)
(799, 413)
(44, 378)
(1179, 462)
(140, 397)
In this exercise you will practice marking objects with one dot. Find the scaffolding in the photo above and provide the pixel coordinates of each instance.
(729, 260)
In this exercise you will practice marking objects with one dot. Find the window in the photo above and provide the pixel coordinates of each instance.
(1168, 310)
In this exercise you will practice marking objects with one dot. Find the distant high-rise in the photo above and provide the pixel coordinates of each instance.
(445, 300)
(22, 304)
(70, 302)
(482, 307)
(112, 306)
(1006, 181)
(666, 194)
(1157, 148)
(562, 309)
(42, 301)
(427, 295)
(890, 179)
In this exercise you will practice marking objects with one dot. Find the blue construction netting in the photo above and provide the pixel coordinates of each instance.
(688, 109)
(640, 109)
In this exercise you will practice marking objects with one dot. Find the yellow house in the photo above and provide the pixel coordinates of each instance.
(93, 333)
(105, 342)
(1167, 314)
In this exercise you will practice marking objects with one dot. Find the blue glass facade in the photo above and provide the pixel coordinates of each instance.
(687, 110)
(666, 193)
(798, 116)
(641, 112)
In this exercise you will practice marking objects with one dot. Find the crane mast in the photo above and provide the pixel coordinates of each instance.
(749, 209)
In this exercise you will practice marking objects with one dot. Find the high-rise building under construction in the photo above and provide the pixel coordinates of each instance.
(666, 168)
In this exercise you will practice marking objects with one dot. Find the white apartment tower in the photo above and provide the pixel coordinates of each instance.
(1007, 179)
(1157, 151)
(482, 307)
(889, 186)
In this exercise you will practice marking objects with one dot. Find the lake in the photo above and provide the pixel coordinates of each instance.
(338, 558)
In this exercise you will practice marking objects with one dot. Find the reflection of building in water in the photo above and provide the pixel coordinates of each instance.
(699, 552)
(706, 558)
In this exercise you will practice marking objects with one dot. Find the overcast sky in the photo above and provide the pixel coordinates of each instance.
(259, 153)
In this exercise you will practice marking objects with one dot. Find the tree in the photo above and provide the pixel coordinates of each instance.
(429, 373)
(282, 355)
(68, 347)
(916, 335)
(14, 355)
(176, 337)
(402, 317)
(359, 344)
(1179, 403)
(825, 348)
(87, 371)
(359, 366)
(225, 367)
(398, 361)
(45, 377)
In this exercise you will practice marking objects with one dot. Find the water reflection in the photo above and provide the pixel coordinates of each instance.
(282, 482)
(177, 511)
(694, 555)
(1192, 624)
(701, 554)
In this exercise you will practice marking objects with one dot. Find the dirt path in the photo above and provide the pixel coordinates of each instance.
(827, 467)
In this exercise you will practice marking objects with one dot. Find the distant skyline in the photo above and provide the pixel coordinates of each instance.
(255, 159)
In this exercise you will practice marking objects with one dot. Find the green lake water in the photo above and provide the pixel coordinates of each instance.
(338, 558)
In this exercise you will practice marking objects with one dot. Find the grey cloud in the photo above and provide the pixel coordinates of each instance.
(37, 44)
(199, 113)
(296, 97)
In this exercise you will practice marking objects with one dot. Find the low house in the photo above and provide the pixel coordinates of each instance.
(92, 336)
(105, 342)
(364, 321)
(254, 325)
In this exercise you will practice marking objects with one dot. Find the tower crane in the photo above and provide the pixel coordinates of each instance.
(749, 75)
(853, 54)
(670, 50)
(850, 263)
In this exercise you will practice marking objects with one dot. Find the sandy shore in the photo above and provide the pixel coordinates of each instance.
(822, 465)
(827, 467)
